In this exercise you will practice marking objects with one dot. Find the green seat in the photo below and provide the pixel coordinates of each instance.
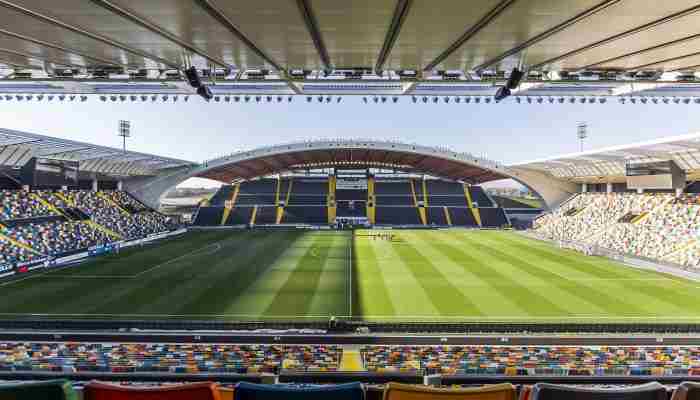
(58, 389)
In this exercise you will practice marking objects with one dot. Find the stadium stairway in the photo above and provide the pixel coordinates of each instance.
(371, 201)
(228, 205)
(351, 360)
(421, 210)
(113, 203)
(470, 204)
(18, 243)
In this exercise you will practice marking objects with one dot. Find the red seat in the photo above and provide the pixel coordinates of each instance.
(191, 391)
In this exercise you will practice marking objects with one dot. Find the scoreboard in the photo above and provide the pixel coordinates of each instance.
(654, 175)
(45, 172)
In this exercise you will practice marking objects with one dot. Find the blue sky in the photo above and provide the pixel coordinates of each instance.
(507, 132)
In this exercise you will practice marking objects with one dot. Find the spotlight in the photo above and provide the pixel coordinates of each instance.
(395, 99)
(697, 100)
(40, 97)
(237, 98)
(269, 99)
(375, 99)
(643, 100)
(62, 97)
(676, 100)
(591, 100)
(435, 99)
(425, 99)
(551, 100)
(258, 98)
(540, 100)
(103, 98)
(517, 99)
(364, 99)
(217, 99)
(458, 100)
(338, 99)
(289, 99)
(633, 100)
(133, 98)
(467, 100)
(246, 98)
(477, 100)
(561, 100)
(309, 99)
(414, 99)
(665, 100)
(186, 98)
(686, 100)
(572, 100)
(383, 99)
(655, 100)
(582, 100)
(8, 98)
(320, 99)
(174, 98)
(122, 98)
(112, 98)
(328, 99)
(529, 100)
(279, 99)
(446, 99)
(227, 99)
(602, 100)
(487, 100)
(30, 97)
(83, 98)
(19, 97)
(621, 100)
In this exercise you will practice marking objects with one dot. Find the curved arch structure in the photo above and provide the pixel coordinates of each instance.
(343, 153)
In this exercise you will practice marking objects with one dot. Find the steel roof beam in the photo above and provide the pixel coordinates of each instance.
(471, 32)
(19, 66)
(549, 33)
(645, 50)
(59, 48)
(221, 17)
(621, 35)
(400, 13)
(40, 58)
(667, 60)
(84, 32)
(133, 17)
(311, 23)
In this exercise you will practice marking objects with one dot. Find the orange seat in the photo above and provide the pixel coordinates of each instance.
(191, 391)
(400, 391)
(226, 393)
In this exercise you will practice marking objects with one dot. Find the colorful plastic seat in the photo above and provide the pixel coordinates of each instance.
(400, 391)
(59, 389)
(191, 391)
(253, 391)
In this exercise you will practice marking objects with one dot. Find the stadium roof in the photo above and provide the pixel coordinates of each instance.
(608, 164)
(17, 148)
(352, 154)
(330, 47)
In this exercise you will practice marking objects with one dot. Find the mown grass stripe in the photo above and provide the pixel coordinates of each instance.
(296, 295)
(607, 270)
(527, 299)
(372, 296)
(445, 296)
(583, 292)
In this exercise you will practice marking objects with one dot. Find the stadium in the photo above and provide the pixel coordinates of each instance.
(356, 267)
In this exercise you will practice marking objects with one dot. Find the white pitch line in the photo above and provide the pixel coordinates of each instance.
(217, 245)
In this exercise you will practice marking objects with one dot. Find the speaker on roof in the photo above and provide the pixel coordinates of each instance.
(193, 77)
(205, 92)
(514, 80)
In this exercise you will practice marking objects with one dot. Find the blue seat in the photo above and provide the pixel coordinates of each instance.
(253, 391)
(649, 391)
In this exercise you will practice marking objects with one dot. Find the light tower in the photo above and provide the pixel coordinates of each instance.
(124, 131)
(582, 132)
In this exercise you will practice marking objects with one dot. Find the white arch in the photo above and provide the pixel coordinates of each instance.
(553, 191)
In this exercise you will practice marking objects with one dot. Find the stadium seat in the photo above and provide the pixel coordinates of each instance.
(252, 391)
(649, 391)
(59, 389)
(687, 391)
(400, 391)
(191, 391)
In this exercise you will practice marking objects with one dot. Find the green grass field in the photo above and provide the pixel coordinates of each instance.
(445, 275)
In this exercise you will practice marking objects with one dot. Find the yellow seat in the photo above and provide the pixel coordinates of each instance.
(400, 391)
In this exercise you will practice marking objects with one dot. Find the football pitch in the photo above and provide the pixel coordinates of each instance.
(415, 275)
